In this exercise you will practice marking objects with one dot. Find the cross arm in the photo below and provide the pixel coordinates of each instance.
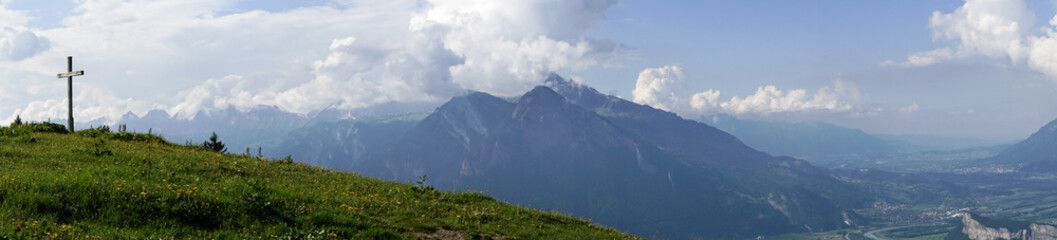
(71, 74)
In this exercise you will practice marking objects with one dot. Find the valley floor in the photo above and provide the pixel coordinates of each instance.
(1025, 197)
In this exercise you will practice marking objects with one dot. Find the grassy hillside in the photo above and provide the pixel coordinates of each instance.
(98, 184)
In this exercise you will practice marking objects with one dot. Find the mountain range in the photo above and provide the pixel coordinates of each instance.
(265, 128)
(566, 147)
(258, 127)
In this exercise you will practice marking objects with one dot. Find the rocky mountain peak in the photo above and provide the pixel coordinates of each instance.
(567, 147)
(541, 95)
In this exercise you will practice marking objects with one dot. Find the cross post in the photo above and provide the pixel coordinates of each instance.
(69, 91)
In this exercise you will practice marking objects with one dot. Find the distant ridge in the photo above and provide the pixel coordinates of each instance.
(811, 141)
(1037, 153)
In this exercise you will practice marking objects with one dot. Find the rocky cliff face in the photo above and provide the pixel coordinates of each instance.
(1040, 231)
(979, 228)
(976, 230)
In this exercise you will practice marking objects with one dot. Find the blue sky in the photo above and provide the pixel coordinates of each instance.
(737, 46)
(976, 68)
(741, 45)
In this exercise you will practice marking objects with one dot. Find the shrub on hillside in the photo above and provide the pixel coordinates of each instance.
(95, 132)
(45, 127)
(214, 144)
(16, 130)
(122, 135)
(40, 127)
(141, 137)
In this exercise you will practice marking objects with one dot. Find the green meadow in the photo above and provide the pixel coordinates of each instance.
(99, 184)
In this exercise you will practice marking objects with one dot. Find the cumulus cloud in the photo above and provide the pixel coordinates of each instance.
(17, 44)
(769, 99)
(16, 41)
(995, 29)
(90, 104)
(659, 87)
(705, 101)
(188, 56)
(180, 55)
(1043, 53)
(455, 45)
(220, 93)
(503, 48)
(357, 75)
(510, 46)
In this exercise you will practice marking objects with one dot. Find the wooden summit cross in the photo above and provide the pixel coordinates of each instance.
(69, 81)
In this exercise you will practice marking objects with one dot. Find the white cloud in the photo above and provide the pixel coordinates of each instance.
(510, 46)
(166, 52)
(659, 87)
(992, 28)
(16, 41)
(489, 46)
(187, 56)
(90, 103)
(1043, 54)
(769, 99)
(229, 91)
(357, 74)
(17, 44)
(705, 101)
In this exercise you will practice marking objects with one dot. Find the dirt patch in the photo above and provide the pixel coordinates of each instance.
(445, 234)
